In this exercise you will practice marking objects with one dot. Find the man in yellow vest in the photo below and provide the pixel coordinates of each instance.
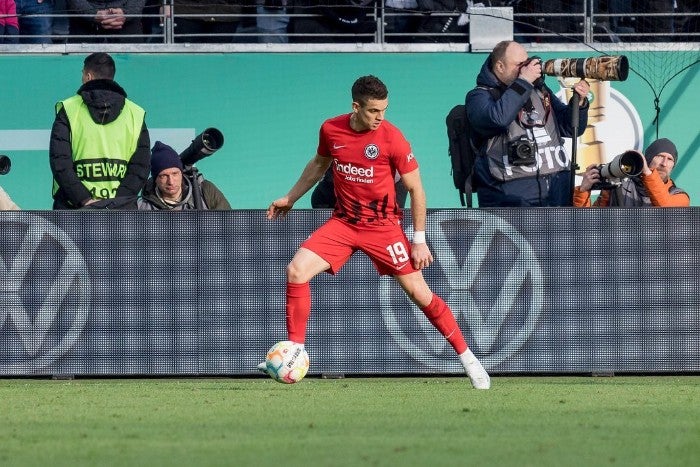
(100, 148)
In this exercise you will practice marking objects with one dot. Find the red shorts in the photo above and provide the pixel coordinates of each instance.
(386, 245)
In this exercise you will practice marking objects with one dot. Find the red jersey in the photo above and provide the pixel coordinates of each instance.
(364, 164)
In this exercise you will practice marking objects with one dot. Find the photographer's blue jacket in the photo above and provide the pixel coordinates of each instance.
(496, 121)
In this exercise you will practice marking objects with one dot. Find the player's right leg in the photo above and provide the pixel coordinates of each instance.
(327, 249)
(304, 266)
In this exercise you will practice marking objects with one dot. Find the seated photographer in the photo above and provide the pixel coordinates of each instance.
(652, 187)
(172, 186)
(6, 203)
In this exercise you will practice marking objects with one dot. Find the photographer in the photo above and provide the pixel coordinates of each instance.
(518, 126)
(653, 187)
(171, 187)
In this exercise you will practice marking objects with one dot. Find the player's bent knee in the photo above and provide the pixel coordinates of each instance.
(295, 274)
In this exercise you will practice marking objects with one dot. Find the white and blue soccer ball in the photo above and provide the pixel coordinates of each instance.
(287, 362)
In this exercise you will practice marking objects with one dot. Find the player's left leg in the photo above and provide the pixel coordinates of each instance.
(390, 251)
(440, 315)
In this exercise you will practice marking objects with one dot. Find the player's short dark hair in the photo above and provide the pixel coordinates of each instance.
(368, 87)
(100, 64)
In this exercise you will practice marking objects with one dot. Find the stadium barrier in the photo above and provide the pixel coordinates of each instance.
(557, 290)
(567, 21)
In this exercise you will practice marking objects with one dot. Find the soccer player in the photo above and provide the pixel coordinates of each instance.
(365, 151)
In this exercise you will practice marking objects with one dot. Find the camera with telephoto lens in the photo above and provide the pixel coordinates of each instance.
(627, 164)
(203, 145)
(5, 164)
(522, 151)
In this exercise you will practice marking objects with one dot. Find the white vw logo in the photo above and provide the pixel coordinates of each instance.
(44, 293)
(499, 305)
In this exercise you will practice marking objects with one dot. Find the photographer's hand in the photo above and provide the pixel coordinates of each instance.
(581, 88)
(590, 177)
(531, 70)
(646, 170)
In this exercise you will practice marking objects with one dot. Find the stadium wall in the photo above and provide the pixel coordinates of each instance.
(269, 107)
(550, 290)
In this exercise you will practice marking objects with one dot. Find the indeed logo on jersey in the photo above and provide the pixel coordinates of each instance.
(354, 173)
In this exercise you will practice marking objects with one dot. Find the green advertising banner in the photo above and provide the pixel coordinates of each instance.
(269, 106)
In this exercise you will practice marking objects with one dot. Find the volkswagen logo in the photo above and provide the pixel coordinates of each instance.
(488, 274)
(44, 293)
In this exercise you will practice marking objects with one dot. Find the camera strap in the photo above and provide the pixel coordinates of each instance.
(529, 117)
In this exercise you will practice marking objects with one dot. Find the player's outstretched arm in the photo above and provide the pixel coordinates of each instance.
(312, 173)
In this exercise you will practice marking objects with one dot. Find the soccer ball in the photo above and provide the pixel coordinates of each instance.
(287, 362)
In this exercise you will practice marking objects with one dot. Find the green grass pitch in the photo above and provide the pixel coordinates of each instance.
(402, 421)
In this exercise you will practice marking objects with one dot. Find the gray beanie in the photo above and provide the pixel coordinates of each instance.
(659, 146)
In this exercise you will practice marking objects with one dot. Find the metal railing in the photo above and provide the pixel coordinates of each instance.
(446, 30)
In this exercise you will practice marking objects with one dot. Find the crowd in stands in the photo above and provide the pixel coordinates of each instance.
(309, 21)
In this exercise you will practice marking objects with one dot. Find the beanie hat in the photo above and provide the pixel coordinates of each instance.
(164, 157)
(659, 146)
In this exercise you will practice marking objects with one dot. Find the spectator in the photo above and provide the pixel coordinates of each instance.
(561, 21)
(518, 128)
(60, 23)
(620, 21)
(334, 21)
(400, 19)
(653, 187)
(170, 189)
(660, 20)
(366, 151)
(99, 149)
(152, 20)
(6, 203)
(35, 29)
(9, 26)
(272, 21)
(106, 20)
(440, 22)
(687, 23)
(219, 27)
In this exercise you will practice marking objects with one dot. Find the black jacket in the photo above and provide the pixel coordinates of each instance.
(105, 100)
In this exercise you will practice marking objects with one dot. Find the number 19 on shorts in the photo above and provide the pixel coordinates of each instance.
(398, 252)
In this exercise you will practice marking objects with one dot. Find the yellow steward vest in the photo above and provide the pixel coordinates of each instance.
(101, 153)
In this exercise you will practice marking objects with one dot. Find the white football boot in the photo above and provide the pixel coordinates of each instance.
(476, 372)
(263, 367)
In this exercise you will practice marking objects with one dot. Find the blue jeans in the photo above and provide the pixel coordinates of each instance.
(37, 26)
(276, 25)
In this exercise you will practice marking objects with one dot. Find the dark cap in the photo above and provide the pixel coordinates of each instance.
(164, 157)
(659, 146)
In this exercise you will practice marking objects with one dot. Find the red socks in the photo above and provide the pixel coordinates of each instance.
(444, 321)
(298, 310)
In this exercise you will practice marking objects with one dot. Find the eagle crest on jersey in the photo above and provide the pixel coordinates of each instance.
(371, 151)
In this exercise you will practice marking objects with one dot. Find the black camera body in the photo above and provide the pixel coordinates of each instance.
(522, 151)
